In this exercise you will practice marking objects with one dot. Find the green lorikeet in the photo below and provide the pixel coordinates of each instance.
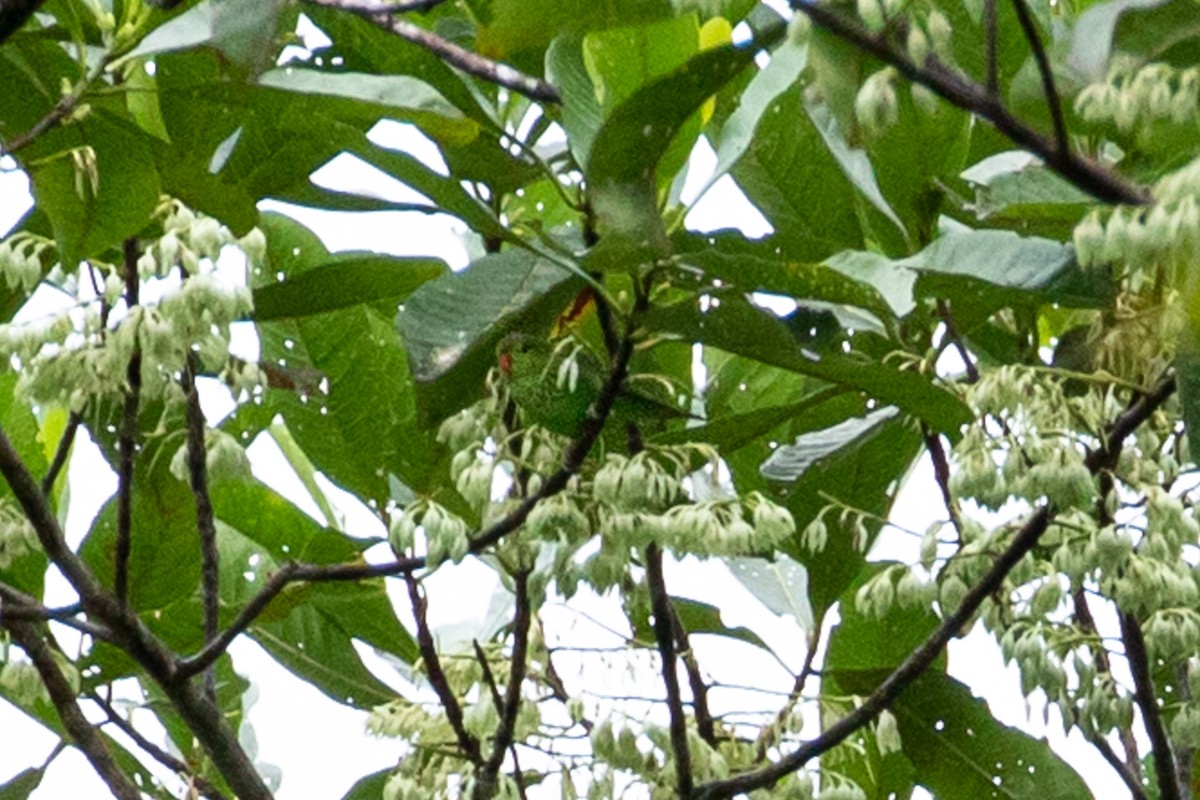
(554, 385)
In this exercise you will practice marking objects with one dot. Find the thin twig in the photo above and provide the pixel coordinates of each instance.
(293, 572)
(700, 710)
(210, 566)
(660, 604)
(1053, 100)
(60, 454)
(154, 751)
(489, 680)
(61, 110)
(485, 783)
(15, 604)
(927, 652)
(955, 339)
(127, 439)
(794, 697)
(456, 56)
(1147, 702)
(1084, 173)
(62, 695)
(941, 475)
(467, 742)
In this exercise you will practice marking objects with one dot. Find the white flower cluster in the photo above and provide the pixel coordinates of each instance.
(1132, 96)
(17, 536)
(895, 585)
(21, 260)
(446, 535)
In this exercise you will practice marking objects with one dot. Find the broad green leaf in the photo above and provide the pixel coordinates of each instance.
(698, 617)
(451, 325)
(354, 412)
(242, 30)
(510, 26)
(792, 178)
(27, 570)
(780, 584)
(1013, 190)
(961, 752)
(631, 143)
(790, 461)
(736, 326)
(1156, 30)
(782, 71)
(369, 787)
(398, 96)
(349, 279)
(99, 188)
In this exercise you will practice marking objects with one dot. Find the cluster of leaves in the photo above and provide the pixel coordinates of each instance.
(983, 224)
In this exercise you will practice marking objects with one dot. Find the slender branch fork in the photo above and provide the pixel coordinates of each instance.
(921, 658)
(383, 16)
(1089, 176)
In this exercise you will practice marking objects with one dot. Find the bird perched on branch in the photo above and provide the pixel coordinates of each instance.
(555, 383)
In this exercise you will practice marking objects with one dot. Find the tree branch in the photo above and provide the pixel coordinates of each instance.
(62, 695)
(210, 565)
(1085, 174)
(467, 742)
(456, 56)
(14, 14)
(293, 572)
(486, 781)
(498, 702)
(60, 454)
(15, 604)
(920, 659)
(955, 339)
(1053, 100)
(154, 751)
(705, 726)
(126, 441)
(991, 30)
(660, 604)
(1147, 701)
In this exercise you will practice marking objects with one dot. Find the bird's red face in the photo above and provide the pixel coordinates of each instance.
(506, 364)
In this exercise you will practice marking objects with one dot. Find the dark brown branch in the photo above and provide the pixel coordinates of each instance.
(664, 635)
(127, 440)
(456, 56)
(154, 751)
(210, 565)
(1087, 623)
(467, 742)
(806, 671)
(705, 726)
(485, 783)
(14, 14)
(920, 659)
(941, 474)
(1127, 776)
(293, 572)
(62, 695)
(15, 604)
(1053, 100)
(60, 454)
(128, 632)
(1085, 174)
(1147, 702)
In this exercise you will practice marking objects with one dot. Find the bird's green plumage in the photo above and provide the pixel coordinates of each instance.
(556, 393)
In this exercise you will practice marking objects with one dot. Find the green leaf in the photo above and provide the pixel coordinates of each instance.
(99, 188)
(369, 787)
(790, 461)
(22, 785)
(792, 178)
(736, 326)
(242, 30)
(26, 572)
(1013, 190)
(699, 617)
(1187, 373)
(622, 164)
(348, 279)
(1156, 30)
(780, 584)
(451, 325)
(511, 26)
(961, 752)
